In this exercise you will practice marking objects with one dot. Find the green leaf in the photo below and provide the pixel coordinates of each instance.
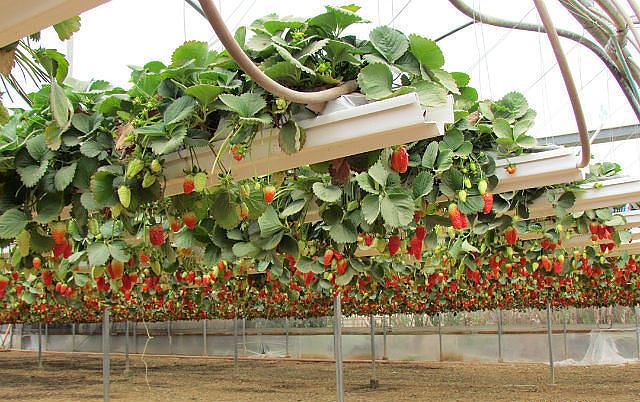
(204, 93)
(379, 173)
(283, 71)
(246, 105)
(366, 183)
(30, 171)
(462, 79)
(11, 223)
(390, 42)
(288, 57)
(224, 210)
(426, 51)
(245, 249)
(430, 94)
(40, 243)
(397, 209)
(344, 279)
(446, 80)
(86, 123)
(375, 81)
(423, 184)
(293, 208)
(38, 149)
(191, 50)
(343, 232)
(49, 207)
(291, 137)
(61, 108)
(118, 250)
(430, 154)
(444, 161)
(179, 110)
(453, 139)
(566, 200)
(102, 189)
(163, 146)
(269, 222)
(93, 149)
(67, 28)
(526, 141)
(604, 214)
(64, 176)
(473, 204)
(327, 192)
(98, 254)
(515, 103)
(370, 208)
(80, 279)
(502, 128)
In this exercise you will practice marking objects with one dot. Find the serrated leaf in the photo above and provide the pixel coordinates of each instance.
(205, 93)
(430, 94)
(426, 51)
(61, 107)
(422, 184)
(246, 105)
(269, 222)
(30, 171)
(366, 183)
(566, 200)
(67, 28)
(163, 146)
(245, 249)
(190, 50)
(288, 57)
(345, 279)
(118, 250)
(49, 207)
(179, 110)
(102, 189)
(379, 173)
(370, 208)
(397, 209)
(291, 137)
(430, 154)
(98, 254)
(224, 210)
(502, 129)
(93, 149)
(293, 208)
(375, 81)
(390, 42)
(343, 232)
(327, 192)
(446, 80)
(64, 176)
(38, 149)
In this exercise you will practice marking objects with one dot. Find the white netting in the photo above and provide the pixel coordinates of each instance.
(602, 350)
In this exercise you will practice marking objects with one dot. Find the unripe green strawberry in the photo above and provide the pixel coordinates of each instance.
(116, 210)
(94, 229)
(467, 182)
(156, 167)
(482, 187)
(200, 181)
(148, 180)
(133, 168)
(462, 194)
(124, 194)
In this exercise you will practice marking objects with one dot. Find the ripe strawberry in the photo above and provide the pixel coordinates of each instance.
(557, 266)
(421, 232)
(511, 235)
(63, 288)
(58, 287)
(115, 269)
(368, 240)
(187, 185)
(488, 203)
(511, 169)
(342, 266)
(394, 245)
(58, 232)
(416, 247)
(400, 160)
(156, 235)
(593, 228)
(269, 192)
(175, 225)
(308, 278)
(189, 219)
(47, 278)
(143, 258)
(328, 256)
(455, 216)
(36, 262)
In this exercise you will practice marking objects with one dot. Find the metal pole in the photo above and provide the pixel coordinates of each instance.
(244, 335)
(134, 329)
(499, 335)
(385, 323)
(46, 336)
(204, 337)
(73, 337)
(637, 310)
(235, 344)
(105, 355)
(169, 335)
(286, 337)
(553, 373)
(440, 336)
(564, 334)
(126, 346)
(337, 348)
(39, 345)
(374, 381)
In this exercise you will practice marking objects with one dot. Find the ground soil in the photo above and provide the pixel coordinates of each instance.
(79, 378)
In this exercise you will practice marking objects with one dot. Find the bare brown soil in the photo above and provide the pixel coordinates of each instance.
(79, 378)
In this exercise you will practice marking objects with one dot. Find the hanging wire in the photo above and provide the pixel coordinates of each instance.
(392, 20)
(486, 59)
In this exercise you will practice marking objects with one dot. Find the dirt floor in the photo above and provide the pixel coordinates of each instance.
(79, 378)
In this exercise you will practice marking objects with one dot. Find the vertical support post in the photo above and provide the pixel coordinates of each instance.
(440, 336)
(73, 337)
(40, 345)
(235, 345)
(337, 347)
(169, 336)
(105, 355)
(286, 337)
(637, 311)
(385, 324)
(11, 326)
(204, 337)
(564, 334)
(549, 329)
(46, 336)
(499, 311)
(134, 329)
(244, 335)
(374, 380)
(126, 346)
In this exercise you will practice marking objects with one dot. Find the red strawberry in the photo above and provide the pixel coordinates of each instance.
(47, 278)
(593, 228)
(557, 266)
(59, 287)
(488, 203)
(308, 278)
(269, 193)
(464, 221)
(368, 240)
(36, 262)
(511, 235)
(143, 258)
(342, 266)
(175, 225)
(156, 235)
(189, 219)
(455, 216)
(511, 169)
(63, 288)
(19, 289)
(58, 232)
(4, 281)
(394, 245)
(416, 247)
(328, 256)
(116, 269)
(421, 232)
(400, 160)
(188, 185)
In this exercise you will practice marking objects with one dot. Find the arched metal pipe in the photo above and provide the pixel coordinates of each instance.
(246, 64)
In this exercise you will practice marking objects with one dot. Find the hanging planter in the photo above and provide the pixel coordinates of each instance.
(537, 169)
(340, 132)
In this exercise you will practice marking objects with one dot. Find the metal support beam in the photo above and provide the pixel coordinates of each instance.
(286, 337)
(337, 347)
(126, 347)
(385, 324)
(106, 372)
(612, 134)
(637, 311)
(46, 336)
(135, 336)
(73, 337)
(170, 338)
(564, 334)
(549, 330)
(440, 336)
(235, 345)
(374, 380)
(204, 337)
(499, 314)
(40, 345)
